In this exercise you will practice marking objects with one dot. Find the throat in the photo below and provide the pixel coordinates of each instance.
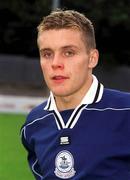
(65, 103)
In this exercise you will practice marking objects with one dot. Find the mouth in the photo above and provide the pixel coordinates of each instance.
(59, 78)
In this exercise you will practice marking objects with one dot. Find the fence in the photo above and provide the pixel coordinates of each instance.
(26, 71)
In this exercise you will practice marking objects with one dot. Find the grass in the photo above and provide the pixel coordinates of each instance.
(13, 157)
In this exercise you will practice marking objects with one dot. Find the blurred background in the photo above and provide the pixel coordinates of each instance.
(19, 58)
(21, 82)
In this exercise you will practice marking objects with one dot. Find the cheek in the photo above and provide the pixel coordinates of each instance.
(81, 72)
(81, 67)
(44, 66)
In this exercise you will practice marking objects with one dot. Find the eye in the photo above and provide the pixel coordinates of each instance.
(69, 53)
(46, 54)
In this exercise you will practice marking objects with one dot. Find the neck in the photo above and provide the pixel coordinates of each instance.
(71, 101)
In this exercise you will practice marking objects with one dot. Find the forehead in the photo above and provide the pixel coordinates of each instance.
(60, 37)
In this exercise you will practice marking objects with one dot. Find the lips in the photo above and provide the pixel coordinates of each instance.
(59, 78)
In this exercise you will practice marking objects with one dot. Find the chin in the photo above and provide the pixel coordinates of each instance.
(60, 93)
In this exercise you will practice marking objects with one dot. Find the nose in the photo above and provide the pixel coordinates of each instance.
(57, 62)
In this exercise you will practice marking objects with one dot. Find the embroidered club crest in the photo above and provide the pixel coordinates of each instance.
(64, 165)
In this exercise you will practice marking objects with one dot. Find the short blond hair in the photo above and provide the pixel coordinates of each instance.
(69, 19)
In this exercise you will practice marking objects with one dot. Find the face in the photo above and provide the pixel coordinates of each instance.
(65, 61)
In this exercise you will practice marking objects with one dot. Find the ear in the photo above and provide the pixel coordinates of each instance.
(93, 59)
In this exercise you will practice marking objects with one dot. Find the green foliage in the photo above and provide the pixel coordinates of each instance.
(19, 19)
(27, 11)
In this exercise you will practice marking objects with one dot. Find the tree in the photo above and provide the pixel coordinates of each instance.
(19, 20)
(111, 21)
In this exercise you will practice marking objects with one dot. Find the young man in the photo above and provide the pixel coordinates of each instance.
(82, 132)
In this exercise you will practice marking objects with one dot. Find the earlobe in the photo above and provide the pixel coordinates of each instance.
(93, 60)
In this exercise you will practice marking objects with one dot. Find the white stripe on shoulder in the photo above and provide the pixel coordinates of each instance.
(23, 132)
(38, 119)
(35, 120)
(108, 108)
(33, 166)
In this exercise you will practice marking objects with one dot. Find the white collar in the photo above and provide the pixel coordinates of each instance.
(93, 95)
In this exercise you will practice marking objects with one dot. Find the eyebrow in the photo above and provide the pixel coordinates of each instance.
(63, 47)
(69, 46)
(44, 49)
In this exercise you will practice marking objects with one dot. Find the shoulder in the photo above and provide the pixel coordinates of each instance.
(116, 93)
(36, 113)
(116, 97)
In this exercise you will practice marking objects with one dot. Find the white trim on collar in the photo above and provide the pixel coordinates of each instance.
(95, 91)
(90, 95)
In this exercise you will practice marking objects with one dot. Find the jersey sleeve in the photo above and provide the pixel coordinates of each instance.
(32, 158)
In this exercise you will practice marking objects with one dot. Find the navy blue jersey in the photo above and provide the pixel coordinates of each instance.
(90, 142)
